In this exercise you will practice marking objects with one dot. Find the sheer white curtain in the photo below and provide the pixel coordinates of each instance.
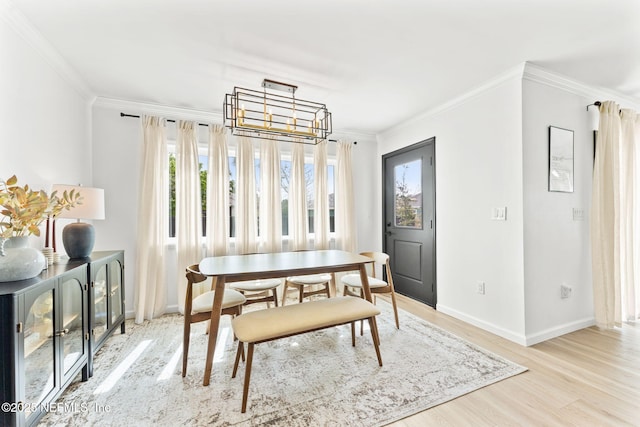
(246, 238)
(344, 199)
(270, 197)
(614, 216)
(630, 214)
(218, 192)
(188, 206)
(321, 209)
(298, 215)
(153, 222)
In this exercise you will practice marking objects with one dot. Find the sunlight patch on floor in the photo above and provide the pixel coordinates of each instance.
(170, 367)
(120, 370)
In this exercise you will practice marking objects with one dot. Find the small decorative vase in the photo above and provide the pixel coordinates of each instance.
(18, 261)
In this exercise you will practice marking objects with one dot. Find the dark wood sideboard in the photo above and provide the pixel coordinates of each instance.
(51, 326)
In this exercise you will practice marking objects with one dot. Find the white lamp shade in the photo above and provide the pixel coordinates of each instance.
(91, 203)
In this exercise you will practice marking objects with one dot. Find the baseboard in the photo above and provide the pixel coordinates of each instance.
(559, 330)
(501, 332)
(526, 340)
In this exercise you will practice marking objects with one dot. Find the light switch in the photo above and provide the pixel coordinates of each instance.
(499, 214)
(578, 214)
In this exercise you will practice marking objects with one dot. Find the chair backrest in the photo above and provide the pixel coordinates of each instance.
(380, 260)
(193, 276)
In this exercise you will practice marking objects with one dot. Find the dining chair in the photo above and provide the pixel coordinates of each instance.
(262, 290)
(198, 309)
(353, 284)
(307, 286)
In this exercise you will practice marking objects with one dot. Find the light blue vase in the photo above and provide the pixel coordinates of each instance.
(18, 261)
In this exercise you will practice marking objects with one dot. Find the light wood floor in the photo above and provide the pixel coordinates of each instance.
(589, 377)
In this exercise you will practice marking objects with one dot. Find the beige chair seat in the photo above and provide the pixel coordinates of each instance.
(354, 281)
(306, 284)
(311, 279)
(377, 286)
(255, 285)
(204, 302)
(261, 290)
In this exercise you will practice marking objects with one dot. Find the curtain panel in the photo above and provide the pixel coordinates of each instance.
(298, 214)
(246, 232)
(321, 226)
(344, 199)
(614, 217)
(188, 206)
(270, 197)
(218, 192)
(153, 222)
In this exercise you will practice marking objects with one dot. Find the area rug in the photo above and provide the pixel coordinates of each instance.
(315, 379)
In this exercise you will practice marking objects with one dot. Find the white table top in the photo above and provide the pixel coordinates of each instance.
(247, 267)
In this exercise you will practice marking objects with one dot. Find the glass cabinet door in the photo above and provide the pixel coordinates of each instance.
(71, 332)
(115, 278)
(100, 303)
(39, 356)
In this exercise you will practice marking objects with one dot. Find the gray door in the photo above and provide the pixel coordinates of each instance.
(409, 219)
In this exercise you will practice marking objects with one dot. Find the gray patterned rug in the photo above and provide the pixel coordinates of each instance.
(316, 379)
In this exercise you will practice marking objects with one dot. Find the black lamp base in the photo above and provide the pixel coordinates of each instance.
(78, 239)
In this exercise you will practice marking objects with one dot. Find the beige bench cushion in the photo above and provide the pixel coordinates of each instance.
(293, 319)
(204, 302)
(354, 281)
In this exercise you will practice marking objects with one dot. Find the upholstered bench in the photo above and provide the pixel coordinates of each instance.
(273, 323)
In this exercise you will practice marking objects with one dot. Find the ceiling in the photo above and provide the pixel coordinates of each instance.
(373, 63)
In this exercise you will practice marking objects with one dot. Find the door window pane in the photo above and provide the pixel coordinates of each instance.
(408, 194)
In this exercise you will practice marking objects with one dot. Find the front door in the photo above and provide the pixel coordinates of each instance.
(409, 219)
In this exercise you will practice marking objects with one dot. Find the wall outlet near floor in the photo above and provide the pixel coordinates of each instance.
(565, 291)
(480, 288)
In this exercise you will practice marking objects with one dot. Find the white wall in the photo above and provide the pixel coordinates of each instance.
(478, 166)
(44, 115)
(556, 247)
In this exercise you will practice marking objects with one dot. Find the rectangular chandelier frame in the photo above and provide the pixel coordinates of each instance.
(266, 115)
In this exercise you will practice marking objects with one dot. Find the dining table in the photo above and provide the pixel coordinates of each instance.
(236, 268)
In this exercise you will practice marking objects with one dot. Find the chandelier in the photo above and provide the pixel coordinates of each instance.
(274, 116)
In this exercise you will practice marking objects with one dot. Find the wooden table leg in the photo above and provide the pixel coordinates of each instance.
(364, 279)
(333, 286)
(216, 310)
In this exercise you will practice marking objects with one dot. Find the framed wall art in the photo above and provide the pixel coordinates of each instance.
(560, 159)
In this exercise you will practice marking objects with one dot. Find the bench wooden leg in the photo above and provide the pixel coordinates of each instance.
(247, 377)
(375, 338)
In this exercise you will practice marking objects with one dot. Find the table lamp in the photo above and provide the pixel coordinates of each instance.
(78, 238)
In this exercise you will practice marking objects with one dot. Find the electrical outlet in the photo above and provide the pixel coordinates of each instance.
(565, 291)
(480, 288)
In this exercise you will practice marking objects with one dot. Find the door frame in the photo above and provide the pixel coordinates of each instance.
(431, 140)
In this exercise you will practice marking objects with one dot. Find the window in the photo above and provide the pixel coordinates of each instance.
(285, 174)
(204, 167)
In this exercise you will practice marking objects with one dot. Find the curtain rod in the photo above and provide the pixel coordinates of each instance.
(597, 104)
(200, 124)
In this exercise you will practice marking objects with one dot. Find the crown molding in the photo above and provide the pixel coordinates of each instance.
(538, 74)
(21, 25)
(169, 112)
(510, 74)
